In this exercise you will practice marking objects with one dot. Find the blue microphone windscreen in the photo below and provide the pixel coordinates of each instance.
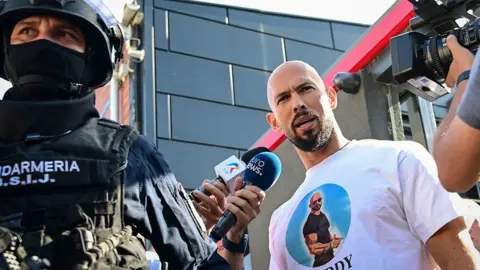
(263, 170)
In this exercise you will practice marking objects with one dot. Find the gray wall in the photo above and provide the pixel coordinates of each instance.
(211, 64)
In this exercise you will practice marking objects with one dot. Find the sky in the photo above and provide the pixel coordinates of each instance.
(371, 10)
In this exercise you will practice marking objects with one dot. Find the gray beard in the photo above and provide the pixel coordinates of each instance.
(313, 142)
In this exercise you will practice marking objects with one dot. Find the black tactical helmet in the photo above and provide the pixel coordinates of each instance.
(99, 37)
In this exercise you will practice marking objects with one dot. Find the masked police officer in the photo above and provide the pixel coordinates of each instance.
(77, 191)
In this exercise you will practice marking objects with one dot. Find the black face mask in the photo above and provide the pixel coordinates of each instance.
(45, 70)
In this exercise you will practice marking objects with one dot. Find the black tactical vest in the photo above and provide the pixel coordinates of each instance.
(61, 201)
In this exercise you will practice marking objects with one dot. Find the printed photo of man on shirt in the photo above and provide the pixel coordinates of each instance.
(316, 232)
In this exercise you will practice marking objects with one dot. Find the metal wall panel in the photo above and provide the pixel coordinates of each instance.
(215, 124)
(320, 58)
(288, 27)
(224, 43)
(193, 77)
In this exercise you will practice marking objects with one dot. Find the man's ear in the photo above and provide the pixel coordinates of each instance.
(272, 121)
(332, 98)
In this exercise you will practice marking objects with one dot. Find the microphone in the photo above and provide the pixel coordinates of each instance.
(247, 156)
(229, 169)
(262, 171)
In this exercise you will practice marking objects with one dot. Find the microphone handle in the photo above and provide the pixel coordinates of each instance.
(224, 224)
(204, 191)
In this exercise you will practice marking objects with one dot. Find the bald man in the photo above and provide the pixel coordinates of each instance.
(383, 197)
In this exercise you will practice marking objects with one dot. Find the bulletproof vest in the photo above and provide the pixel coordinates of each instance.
(61, 201)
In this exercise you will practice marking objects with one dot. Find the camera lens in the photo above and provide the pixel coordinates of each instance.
(438, 57)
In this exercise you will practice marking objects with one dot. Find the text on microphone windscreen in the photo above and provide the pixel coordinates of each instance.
(247, 156)
(263, 170)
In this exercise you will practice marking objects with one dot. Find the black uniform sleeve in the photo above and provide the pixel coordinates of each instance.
(156, 204)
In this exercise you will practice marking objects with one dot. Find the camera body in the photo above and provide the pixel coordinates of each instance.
(421, 58)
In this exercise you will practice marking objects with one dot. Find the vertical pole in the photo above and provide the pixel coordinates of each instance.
(395, 113)
(428, 119)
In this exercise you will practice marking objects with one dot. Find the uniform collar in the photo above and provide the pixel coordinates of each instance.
(20, 120)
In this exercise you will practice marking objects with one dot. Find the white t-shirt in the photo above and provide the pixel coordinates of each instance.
(381, 198)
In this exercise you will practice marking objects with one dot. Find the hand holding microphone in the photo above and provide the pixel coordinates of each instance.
(244, 206)
(227, 171)
(210, 199)
(261, 174)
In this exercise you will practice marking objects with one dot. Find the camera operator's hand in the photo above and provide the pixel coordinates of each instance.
(462, 60)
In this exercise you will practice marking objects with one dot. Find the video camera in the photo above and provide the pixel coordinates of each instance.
(421, 58)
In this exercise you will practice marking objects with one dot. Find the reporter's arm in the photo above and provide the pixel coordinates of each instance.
(245, 205)
(234, 259)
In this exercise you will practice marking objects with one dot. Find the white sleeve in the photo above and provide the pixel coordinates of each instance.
(427, 205)
(273, 264)
(274, 258)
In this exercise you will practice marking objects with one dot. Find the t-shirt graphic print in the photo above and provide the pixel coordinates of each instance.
(319, 226)
(372, 205)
